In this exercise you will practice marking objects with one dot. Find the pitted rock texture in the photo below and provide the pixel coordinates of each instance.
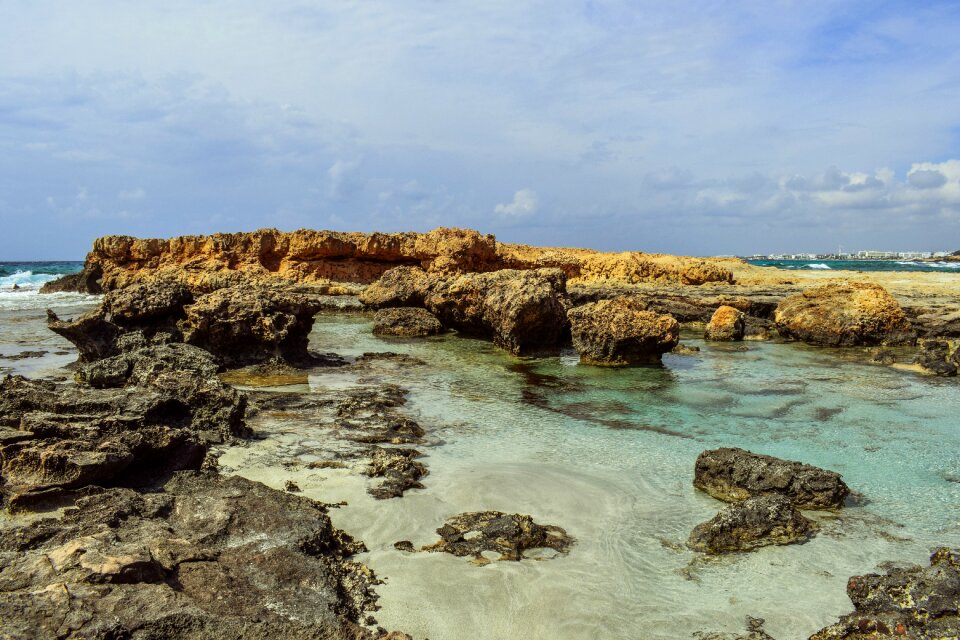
(621, 332)
(939, 357)
(755, 522)
(918, 603)
(510, 535)
(732, 475)
(726, 324)
(406, 322)
(206, 263)
(203, 558)
(844, 315)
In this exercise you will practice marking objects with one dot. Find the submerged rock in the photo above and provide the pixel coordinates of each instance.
(754, 632)
(940, 357)
(726, 324)
(732, 475)
(204, 558)
(916, 602)
(408, 322)
(621, 332)
(755, 522)
(398, 468)
(510, 535)
(844, 315)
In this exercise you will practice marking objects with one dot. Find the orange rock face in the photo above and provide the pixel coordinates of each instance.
(620, 332)
(726, 324)
(206, 263)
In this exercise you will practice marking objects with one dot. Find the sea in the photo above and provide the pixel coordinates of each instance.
(861, 265)
(607, 454)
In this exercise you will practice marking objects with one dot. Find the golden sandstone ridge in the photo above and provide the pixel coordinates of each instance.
(222, 259)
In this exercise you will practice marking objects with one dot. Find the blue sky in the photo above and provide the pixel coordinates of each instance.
(685, 127)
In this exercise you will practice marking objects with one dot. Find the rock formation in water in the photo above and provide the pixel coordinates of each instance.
(754, 632)
(161, 413)
(407, 322)
(510, 535)
(203, 558)
(621, 332)
(733, 475)
(726, 324)
(939, 357)
(240, 325)
(844, 315)
(211, 262)
(755, 522)
(915, 602)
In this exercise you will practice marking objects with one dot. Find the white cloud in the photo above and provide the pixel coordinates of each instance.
(132, 194)
(525, 203)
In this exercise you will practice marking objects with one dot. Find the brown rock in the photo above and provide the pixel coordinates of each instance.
(726, 324)
(733, 475)
(408, 322)
(844, 315)
(755, 522)
(510, 535)
(399, 287)
(621, 332)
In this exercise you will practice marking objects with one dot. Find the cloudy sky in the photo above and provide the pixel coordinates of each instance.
(687, 127)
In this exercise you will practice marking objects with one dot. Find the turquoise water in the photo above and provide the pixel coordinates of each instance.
(861, 265)
(20, 282)
(609, 455)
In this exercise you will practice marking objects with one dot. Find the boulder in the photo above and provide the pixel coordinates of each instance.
(844, 315)
(522, 311)
(398, 468)
(510, 535)
(408, 322)
(398, 287)
(733, 475)
(201, 558)
(939, 357)
(726, 324)
(621, 332)
(911, 602)
(755, 522)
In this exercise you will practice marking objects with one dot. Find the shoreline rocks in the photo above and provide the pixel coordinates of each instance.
(733, 475)
(621, 332)
(726, 324)
(406, 322)
(510, 535)
(756, 522)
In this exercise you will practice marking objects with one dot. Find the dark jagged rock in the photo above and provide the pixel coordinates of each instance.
(87, 281)
(163, 410)
(204, 558)
(240, 325)
(755, 522)
(398, 468)
(621, 332)
(24, 355)
(408, 322)
(510, 535)
(915, 602)
(732, 475)
(754, 632)
(726, 324)
(522, 311)
(844, 315)
(940, 357)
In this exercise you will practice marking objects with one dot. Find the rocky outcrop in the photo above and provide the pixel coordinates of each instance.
(939, 357)
(399, 287)
(161, 413)
(733, 475)
(914, 602)
(240, 325)
(203, 558)
(206, 263)
(621, 332)
(726, 324)
(399, 469)
(407, 322)
(510, 535)
(844, 315)
(755, 522)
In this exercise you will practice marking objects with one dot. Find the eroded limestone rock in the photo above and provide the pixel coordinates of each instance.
(407, 322)
(621, 332)
(755, 522)
(726, 324)
(510, 535)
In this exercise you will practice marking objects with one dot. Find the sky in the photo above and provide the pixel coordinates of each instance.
(690, 127)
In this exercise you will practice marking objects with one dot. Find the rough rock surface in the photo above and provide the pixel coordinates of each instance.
(240, 325)
(940, 357)
(916, 602)
(733, 475)
(510, 535)
(398, 287)
(204, 558)
(754, 632)
(211, 262)
(844, 315)
(409, 322)
(621, 332)
(162, 417)
(398, 468)
(755, 522)
(726, 324)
